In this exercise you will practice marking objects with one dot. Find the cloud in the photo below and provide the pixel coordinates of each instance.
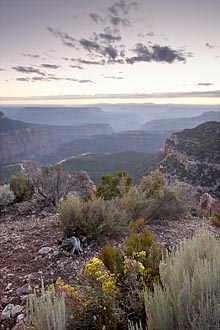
(208, 45)
(40, 79)
(84, 81)
(76, 67)
(109, 37)
(119, 12)
(144, 35)
(101, 62)
(166, 54)
(22, 79)
(112, 77)
(155, 53)
(28, 69)
(96, 18)
(30, 55)
(90, 45)
(205, 84)
(66, 39)
(110, 52)
(53, 78)
(93, 47)
(2, 69)
(50, 66)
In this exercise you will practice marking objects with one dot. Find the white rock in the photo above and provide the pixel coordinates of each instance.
(45, 250)
(10, 311)
(20, 317)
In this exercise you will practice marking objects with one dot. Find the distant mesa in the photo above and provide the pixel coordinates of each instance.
(176, 124)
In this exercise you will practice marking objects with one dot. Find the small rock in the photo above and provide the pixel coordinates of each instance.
(45, 250)
(25, 289)
(10, 311)
(8, 287)
(20, 317)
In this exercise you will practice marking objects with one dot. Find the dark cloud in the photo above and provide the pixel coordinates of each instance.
(70, 79)
(96, 18)
(84, 81)
(28, 69)
(166, 54)
(40, 79)
(90, 45)
(142, 52)
(50, 66)
(65, 58)
(53, 78)
(119, 12)
(205, 84)
(22, 79)
(110, 52)
(76, 67)
(102, 62)
(208, 45)
(66, 39)
(155, 53)
(2, 69)
(30, 55)
(109, 37)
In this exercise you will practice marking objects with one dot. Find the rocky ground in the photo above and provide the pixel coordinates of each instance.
(23, 262)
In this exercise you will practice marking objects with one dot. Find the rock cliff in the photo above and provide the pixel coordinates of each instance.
(21, 140)
(193, 156)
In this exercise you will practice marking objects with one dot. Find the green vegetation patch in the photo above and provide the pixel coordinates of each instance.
(100, 164)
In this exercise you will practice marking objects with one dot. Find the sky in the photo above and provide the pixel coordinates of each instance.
(89, 51)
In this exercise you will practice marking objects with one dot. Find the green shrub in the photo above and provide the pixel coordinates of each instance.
(114, 186)
(139, 242)
(7, 196)
(103, 219)
(189, 295)
(151, 185)
(113, 259)
(215, 219)
(71, 215)
(153, 200)
(170, 203)
(97, 219)
(47, 312)
(134, 203)
(21, 186)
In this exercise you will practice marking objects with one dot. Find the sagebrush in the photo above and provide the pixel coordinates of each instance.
(189, 295)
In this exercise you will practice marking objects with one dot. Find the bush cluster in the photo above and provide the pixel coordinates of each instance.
(96, 218)
(7, 196)
(101, 217)
(22, 186)
(112, 285)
